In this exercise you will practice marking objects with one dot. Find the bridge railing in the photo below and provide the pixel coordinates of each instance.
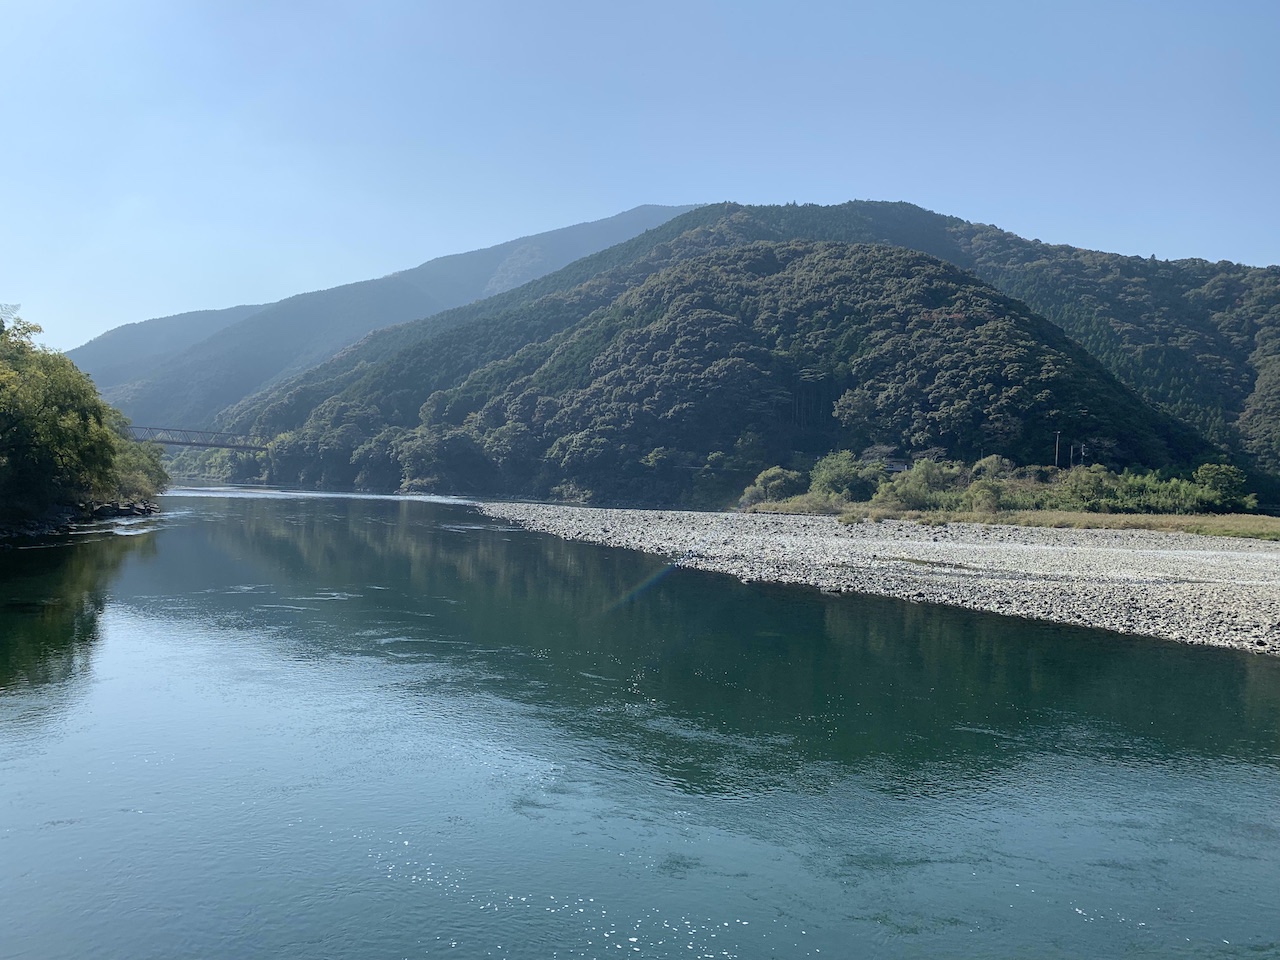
(178, 437)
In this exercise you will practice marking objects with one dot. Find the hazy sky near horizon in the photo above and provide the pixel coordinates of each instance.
(170, 156)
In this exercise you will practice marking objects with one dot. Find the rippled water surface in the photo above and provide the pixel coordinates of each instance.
(284, 726)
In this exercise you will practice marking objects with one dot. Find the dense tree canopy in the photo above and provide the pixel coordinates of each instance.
(59, 443)
(680, 378)
(1199, 341)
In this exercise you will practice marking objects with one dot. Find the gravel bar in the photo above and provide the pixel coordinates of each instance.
(1217, 591)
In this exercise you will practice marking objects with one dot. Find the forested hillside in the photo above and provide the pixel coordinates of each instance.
(189, 388)
(1199, 340)
(677, 378)
(214, 364)
(287, 405)
(1191, 336)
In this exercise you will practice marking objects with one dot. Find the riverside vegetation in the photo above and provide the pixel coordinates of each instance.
(63, 451)
(1212, 499)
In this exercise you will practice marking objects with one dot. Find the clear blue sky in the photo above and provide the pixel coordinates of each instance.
(177, 155)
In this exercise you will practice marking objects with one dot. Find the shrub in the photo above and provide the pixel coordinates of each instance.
(982, 496)
(1225, 487)
(993, 467)
(1087, 488)
(775, 483)
(840, 474)
(928, 485)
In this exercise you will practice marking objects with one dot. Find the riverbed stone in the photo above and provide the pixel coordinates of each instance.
(1217, 591)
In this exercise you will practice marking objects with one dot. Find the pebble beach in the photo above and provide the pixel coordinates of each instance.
(1216, 591)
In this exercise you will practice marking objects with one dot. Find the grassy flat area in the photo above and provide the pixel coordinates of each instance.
(1251, 525)
(1254, 526)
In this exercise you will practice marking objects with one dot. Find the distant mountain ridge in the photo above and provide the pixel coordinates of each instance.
(183, 370)
(1199, 340)
(117, 356)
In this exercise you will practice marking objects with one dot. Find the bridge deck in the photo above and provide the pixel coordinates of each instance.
(178, 437)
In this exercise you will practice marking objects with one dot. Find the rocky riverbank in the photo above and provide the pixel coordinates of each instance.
(1216, 591)
(63, 519)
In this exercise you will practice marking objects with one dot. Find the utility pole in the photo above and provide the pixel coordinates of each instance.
(1057, 439)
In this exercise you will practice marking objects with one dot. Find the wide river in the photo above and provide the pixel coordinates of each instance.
(285, 726)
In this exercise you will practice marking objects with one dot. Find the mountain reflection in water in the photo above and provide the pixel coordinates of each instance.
(750, 769)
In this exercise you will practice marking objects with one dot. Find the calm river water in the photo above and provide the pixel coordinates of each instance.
(288, 726)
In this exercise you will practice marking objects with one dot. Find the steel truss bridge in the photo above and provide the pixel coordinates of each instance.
(177, 437)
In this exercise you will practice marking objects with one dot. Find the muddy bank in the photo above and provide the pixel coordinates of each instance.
(1216, 591)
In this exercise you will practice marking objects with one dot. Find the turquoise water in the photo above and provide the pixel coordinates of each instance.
(287, 726)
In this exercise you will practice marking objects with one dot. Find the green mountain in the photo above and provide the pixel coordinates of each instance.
(1198, 340)
(287, 404)
(186, 369)
(677, 377)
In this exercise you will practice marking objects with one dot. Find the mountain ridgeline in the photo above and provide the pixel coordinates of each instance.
(126, 353)
(184, 370)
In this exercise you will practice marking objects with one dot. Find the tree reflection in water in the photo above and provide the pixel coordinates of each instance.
(51, 597)
(723, 685)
